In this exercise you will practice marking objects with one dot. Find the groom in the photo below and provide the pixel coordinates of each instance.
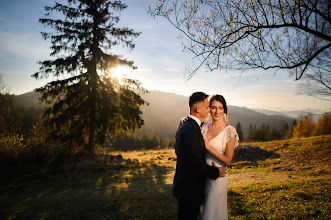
(191, 167)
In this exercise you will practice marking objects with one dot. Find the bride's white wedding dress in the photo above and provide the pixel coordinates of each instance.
(215, 204)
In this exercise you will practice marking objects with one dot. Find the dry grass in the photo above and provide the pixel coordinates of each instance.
(294, 186)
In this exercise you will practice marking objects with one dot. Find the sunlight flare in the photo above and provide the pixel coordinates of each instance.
(119, 72)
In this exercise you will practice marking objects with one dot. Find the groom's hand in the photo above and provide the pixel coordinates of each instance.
(222, 170)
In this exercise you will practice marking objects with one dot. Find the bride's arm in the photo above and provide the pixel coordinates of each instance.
(228, 154)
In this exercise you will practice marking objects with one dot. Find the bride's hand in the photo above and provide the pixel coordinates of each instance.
(204, 136)
(182, 120)
(205, 139)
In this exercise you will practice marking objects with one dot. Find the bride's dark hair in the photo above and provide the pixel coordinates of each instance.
(220, 99)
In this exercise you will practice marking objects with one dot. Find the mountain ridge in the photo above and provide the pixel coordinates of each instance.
(165, 110)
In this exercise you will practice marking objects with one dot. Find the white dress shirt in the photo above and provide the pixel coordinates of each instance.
(195, 119)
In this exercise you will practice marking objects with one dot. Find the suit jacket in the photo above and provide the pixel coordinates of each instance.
(191, 168)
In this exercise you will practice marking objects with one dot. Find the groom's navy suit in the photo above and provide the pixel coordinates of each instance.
(191, 169)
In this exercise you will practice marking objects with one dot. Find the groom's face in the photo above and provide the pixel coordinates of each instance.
(204, 108)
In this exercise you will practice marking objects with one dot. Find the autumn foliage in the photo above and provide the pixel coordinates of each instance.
(323, 126)
(306, 126)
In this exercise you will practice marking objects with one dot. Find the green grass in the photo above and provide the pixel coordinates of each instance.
(294, 186)
(288, 198)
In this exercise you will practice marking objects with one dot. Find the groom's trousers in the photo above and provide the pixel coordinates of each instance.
(188, 208)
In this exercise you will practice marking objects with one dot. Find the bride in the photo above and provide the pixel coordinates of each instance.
(220, 141)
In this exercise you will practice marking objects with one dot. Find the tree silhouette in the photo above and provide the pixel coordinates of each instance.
(85, 102)
(236, 34)
(240, 132)
(9, 123)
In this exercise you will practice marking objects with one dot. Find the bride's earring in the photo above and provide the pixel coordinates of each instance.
(225, 118)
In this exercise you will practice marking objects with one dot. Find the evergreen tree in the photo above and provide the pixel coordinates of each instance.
(86, 102)
(286, 132)
(260, 133)
(267, 133)
(239, 131)
(9, 123)
(251, 133)
(275, 134)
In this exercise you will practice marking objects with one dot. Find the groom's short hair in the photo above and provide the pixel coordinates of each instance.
(197, 97)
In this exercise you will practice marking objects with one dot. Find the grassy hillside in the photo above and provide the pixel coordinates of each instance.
(294, 186)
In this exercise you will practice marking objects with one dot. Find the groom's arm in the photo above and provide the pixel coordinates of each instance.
(194, 160)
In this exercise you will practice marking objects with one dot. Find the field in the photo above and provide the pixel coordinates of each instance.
(294, 186)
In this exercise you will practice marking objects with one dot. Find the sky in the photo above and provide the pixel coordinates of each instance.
(158, 54)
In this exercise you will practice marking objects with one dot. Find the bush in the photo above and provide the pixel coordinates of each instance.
(36, 154)
(12, 146)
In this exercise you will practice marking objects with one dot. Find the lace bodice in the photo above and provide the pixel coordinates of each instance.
(219, 141)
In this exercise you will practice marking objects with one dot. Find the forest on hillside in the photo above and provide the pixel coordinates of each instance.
(159, 116)
(158, 131)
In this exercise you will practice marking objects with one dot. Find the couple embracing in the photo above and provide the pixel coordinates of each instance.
(203, 152)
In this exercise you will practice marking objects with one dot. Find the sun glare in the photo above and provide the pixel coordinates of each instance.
(119, 73)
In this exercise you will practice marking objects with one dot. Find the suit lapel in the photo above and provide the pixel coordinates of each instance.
(202, 142)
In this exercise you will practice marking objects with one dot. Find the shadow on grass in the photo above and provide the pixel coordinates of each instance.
(236, 204)
(129, 190)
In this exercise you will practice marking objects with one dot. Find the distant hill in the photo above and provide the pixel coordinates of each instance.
(164, 111)
(269, 112)
(317, 114)
(30, 99)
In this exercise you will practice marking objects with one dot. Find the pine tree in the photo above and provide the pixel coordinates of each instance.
(251, 133)
(9, 122)
(239, 131)
(85, 101)
(275, 134)
(286, 132)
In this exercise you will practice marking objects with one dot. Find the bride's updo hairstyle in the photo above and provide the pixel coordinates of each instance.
(220, 99)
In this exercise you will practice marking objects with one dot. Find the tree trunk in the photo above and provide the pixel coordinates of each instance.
(92, 113)
(93, 81)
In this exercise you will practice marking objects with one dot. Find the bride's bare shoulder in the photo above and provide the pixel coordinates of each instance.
(230, 128)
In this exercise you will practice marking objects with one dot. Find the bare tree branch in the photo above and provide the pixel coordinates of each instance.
(240, 35)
